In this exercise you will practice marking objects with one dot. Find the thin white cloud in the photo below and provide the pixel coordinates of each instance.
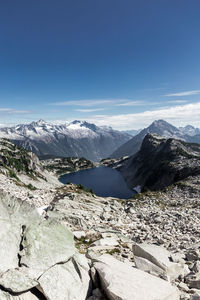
(186, 93)
(97, 102)
(131, 103)
(89, 110)
(83, 102)
(177, 101)
(14, 111)
(178, 115)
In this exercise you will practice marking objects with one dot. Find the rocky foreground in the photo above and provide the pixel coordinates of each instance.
(61, 242)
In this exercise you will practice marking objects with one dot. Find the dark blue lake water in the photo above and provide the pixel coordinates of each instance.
(104, 181)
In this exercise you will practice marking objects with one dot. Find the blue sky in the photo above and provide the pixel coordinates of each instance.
(122, 63)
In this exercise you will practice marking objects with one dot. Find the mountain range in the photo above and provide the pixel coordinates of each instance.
(83, 139)
(161, 128)
(77, 138)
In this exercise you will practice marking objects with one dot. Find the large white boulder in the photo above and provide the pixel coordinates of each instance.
(122, 282)
(45, 244)
(13, 215)
(69, 281)
(160, 258)
(10, 237)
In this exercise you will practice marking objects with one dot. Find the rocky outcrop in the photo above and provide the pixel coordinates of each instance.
(160, 163)
(65, 165)
(16, 160)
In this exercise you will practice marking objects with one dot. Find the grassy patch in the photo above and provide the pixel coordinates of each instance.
(31, 187)
(12, 174)
(113, 251)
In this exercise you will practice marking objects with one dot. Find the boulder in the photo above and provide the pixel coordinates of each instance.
(68, 281)
(160, 257)
(193, 281)
(13, 215)
(17, 282)
(45, 244)
(195, 297)
(10, 237)
(24, 296)
(108, 241)
(122, 282)
(147, 266)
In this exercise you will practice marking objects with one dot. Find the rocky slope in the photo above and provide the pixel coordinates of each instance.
(159, 163)
(23, 176)
(159, 127)
(117, 243)
(73, 245)
(80, 139)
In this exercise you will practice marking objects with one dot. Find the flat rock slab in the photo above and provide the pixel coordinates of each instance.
(45, 244)
(122, 282)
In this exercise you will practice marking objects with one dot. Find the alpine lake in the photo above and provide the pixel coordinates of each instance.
(103, 181)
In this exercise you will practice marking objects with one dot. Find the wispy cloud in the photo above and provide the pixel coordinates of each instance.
(14, 111)
(177, 101)
(83, 102)
(178, 115)
(186, 93)
(89, 110)
(98, 102)
(131, 103)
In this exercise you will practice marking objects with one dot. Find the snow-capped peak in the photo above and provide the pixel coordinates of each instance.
(76, 125)
(81, 125)
(39, 123)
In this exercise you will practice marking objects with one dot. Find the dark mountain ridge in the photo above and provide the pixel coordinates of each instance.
(160, 162)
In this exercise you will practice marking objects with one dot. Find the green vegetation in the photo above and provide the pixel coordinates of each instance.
(12, 174)
(83, 244)
(113, 251)
(31, 187)
(16, 160)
